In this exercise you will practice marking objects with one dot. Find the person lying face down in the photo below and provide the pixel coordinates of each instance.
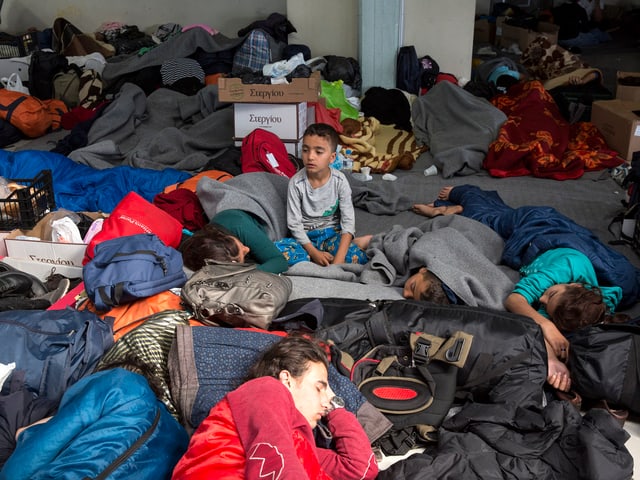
(264, 428)
(560, 286)
(232, 236)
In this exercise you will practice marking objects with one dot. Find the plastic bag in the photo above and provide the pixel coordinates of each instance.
(14, 84)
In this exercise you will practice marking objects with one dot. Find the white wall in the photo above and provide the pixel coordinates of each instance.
(226, 16)
(327, 27)
(440, 28)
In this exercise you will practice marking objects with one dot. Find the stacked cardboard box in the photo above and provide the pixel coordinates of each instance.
(279, 108)
(506, 35)
(619, 123)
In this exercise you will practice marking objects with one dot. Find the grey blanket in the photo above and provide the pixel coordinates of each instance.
(167, 129)
(463, 253)
(262, 194)
(179, 46)
(457, 126)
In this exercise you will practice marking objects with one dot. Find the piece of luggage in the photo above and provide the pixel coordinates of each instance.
(128, 268)
(27, 113)
(145, 350)
(66, 85)
(109, 426)
(236, 294)
(206, 363)
(408, 70)
(135, 214)
(507, 361)
(604, 361)
(413, 384)
(42, 68)
(346, 69)
(264, 151)
(55, 348)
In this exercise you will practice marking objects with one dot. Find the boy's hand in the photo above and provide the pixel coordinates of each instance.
(321, 258)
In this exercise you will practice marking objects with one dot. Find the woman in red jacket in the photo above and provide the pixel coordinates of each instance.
(264, 428)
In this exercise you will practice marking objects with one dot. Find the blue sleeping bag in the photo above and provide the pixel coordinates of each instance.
(109, 425)
(81, 188)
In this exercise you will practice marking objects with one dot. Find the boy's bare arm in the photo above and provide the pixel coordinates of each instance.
(345, 241)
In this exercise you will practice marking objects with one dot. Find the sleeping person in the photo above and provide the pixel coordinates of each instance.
(569, 278)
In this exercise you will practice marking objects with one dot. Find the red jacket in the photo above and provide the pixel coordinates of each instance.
(257, 432)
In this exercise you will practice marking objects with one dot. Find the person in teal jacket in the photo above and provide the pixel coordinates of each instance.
(569, 279)
(233, 236)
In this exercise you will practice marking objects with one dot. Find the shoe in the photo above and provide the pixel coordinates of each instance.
(620, 414)
(23, 303)
(12, 283)
(5, 267)
(572, 397)
(56, 294)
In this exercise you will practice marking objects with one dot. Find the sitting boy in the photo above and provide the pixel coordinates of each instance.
(320, 213)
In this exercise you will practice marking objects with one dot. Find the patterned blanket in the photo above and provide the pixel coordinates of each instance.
(536, 140)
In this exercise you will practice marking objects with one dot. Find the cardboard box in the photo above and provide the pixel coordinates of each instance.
(50, 253)
(507, 35)
(287, 120)
(484, 31)
(628, 92)
(298, 91)
(619, 123)
(3, 248)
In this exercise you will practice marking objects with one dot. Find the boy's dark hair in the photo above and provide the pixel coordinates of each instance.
(293, 353)
(324, 130)
(581, 306)
(212, 242)
(434, 292)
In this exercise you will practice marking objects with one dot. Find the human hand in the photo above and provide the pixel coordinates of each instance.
(558, 374)
(556, 341)
(321, 258)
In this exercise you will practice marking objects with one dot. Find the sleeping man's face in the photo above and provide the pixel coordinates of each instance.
(416, 284)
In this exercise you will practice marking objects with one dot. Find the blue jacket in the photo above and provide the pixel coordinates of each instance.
(109, 423)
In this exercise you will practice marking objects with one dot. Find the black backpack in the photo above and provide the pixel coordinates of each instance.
(42, 68)
(408, 70)
(429, 72)
(413, 385)
(605, 364)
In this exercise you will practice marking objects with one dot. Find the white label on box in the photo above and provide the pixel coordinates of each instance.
(272, 160)
(637, 132)
(51, 253)
(287, 121)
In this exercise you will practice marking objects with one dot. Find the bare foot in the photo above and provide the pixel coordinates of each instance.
(363, 242)
(443, 194)
(429, 210)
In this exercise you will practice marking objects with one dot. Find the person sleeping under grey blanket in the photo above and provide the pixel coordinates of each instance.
(462, 253)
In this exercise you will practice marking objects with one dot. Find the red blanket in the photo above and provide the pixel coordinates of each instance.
(536, 140)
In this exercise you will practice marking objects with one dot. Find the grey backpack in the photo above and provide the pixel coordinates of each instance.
(236, 294)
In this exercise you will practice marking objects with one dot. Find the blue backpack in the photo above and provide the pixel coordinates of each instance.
(128, 268)
(53, 348)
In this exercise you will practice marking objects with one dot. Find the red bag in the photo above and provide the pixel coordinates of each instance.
(263, 151)
(134, 215)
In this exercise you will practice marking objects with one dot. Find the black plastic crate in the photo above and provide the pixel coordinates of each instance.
(24, 207)
(12, 46)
